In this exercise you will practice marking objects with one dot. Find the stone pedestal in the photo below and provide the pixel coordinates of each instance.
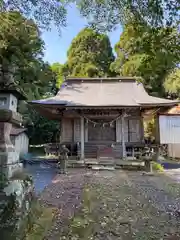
(9, 159)
(148, 165)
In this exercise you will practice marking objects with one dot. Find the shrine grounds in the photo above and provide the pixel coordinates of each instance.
(111, 205)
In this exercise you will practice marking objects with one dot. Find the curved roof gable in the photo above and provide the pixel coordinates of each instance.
(103, 92)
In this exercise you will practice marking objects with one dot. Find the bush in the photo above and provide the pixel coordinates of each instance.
(157, 167)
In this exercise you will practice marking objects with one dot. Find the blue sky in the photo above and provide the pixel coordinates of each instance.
(57, 46)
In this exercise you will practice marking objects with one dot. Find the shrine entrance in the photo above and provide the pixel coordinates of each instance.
(101, 131)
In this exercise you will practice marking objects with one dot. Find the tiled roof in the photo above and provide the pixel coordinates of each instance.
(92, 92)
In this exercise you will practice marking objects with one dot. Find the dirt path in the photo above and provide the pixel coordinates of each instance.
(113, 205)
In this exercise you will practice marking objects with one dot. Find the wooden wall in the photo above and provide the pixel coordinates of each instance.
(77, 129)
(101, 133)
(67, 130)
(133, 131)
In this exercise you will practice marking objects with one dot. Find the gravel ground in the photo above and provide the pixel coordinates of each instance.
(123, 205)
(64, 193)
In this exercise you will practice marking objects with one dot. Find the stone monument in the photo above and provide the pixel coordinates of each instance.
(15, 185)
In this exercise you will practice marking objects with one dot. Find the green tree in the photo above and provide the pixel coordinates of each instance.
(107, 14)
(90, 54)
(40, 129)
(24, 52)
(172, 83)
(45, 13)
(149, 53)
(60, 72)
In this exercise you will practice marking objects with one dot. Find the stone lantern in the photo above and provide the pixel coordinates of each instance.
(9, 97)
(15, 187)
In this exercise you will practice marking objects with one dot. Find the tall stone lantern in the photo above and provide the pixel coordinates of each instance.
(15, 186)
(9, 97)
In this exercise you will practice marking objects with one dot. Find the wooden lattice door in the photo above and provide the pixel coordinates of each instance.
(101, 131)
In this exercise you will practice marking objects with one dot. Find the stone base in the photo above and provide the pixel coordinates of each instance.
(147, 174)
(98, 167)
(9, 170)
(9, 163)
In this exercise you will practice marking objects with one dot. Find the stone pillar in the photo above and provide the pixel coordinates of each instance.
(9, 159)
(82, 138)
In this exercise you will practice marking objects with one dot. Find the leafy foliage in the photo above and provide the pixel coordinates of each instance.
(90, 54)
(150, 53)
(40, 129)
(22, 49)
(107, 14)
(21, 42)
(172, 83)
(60, 71)
(149, 129)
(24, 52)
(44, 12)
(157, 167)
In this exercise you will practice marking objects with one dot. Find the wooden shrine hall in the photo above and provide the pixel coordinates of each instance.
(96, 113)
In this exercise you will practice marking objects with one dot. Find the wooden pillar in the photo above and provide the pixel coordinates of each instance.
(157, 132)
(118, 130)
(86, 131)
(141, 128)
(157, 137)
(60, 131)
(82, 137)
(123, 135)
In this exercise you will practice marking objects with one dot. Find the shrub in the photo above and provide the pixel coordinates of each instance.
(157, 167)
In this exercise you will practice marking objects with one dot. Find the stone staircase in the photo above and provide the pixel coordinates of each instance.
(105, 163)
(101, 155)
(90, 150)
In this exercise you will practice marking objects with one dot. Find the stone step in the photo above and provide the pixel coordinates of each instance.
(100, 167)
(106, 161)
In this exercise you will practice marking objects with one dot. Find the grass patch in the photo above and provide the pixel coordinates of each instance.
(41, 225)
(157, 167)
(82, 224)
